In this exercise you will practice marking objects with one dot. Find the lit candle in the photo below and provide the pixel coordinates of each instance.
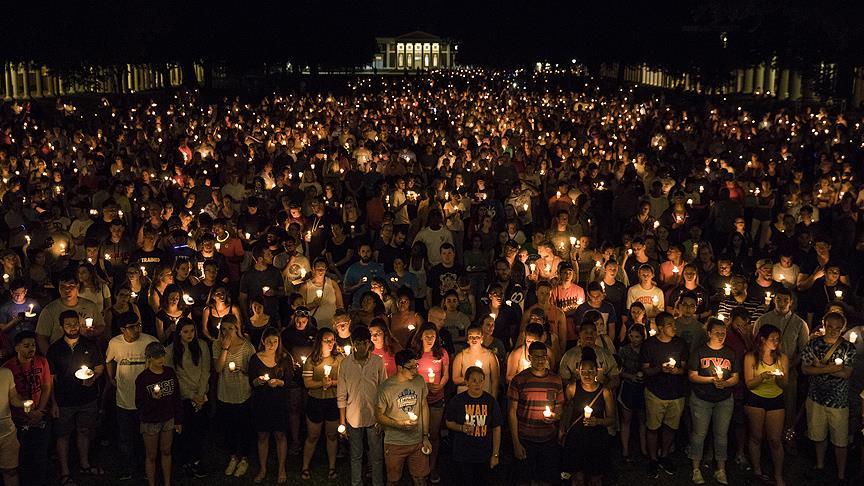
(303, 359)
(232, 366)
(588, 411)
(777, 372)
(525, 207)
(265, 289)
(340, 429)
(431, 375)
(532, 267)
(675, 270)
(652, 332)
(557, 193)
(218, 246)
(411, 327)
(727, 289)
(156, 389)
(782, 277)
(572, 241)
(838, 294)
(412, 416)
(302, 272)
(853, 336)
(28, 405)
(6, 277)
(143, 271)
(327, 369)
(30, 313)
(84, 373)
(478, 364)
(767, 298)
(188, 299)
(347, 349)
(838, 361)
(671, 363)
(721, 316)
(718, 371)
(655, 300)
(656, 224)
(108, 256)
(88, 322)
(319, 293)
(266, 377)
(547, 412)
(247, 235)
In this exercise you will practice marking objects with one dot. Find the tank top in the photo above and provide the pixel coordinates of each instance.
(581, 399)
(421, 280)
(327, 308)
(770, 388)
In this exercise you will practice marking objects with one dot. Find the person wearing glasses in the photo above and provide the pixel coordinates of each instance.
(320, 372)
(536, 397)
(476, 355)
(403, 412)
(125, 360)
(49, 328)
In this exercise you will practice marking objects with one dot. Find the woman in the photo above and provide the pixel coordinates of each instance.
(92, 288)
(183, 274)
(371, 307)
(405, 320)
(636, 315)
(584, 435)
(476, 355)
(385, 345)
(765, 373)
(172, 308)
(258, 321)
(713, 372)
(319, 376)
(298, 338)
(567, 296)
(231, 355)
(400, 277)
(339, 250)
(158, 402)
(434, 366)
(419, 265)
(216, 311)
(189, 356)
(122, 303)
(322, 294)
(632, 396)
(162, 279)
(270, 370)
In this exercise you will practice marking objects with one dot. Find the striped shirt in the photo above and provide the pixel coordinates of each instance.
(753, 306)
(532, 395)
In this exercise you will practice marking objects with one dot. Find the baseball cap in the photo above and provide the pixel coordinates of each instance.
(154, 350)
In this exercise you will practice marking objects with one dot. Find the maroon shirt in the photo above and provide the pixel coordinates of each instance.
(168, 406)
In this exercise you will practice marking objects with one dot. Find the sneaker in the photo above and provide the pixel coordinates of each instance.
(232, 465)
(196, 470)
(125, 476)
(697, 477)
(653, 470)
(242, 467)
(434, 478)
(720, 476)
(743, 463)
(666, 466)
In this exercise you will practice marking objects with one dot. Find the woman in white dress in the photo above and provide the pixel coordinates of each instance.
(322, 294)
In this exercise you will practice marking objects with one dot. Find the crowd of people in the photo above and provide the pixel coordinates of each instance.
(522, 269)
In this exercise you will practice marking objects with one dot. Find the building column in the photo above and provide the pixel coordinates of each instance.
(748, 80)
(759, 80)
(783, 89)
(7, 83)
(795, 90)
(26, 85)
(771, 81)
(38, 72)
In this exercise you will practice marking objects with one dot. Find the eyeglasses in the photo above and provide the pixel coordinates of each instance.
(409, 366)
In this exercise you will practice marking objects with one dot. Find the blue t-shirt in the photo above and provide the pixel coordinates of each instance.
(11, 309)
(355, 274)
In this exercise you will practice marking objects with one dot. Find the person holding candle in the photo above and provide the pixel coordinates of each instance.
(434, 365)
(125, 360)
(632, 391)
(536, 396)
(828, 361)
(739, 297)
(647, 292)
(33, 381)
(403, 412)
(517, 360)
(231, 355)
(320, 373)
(384, 345)
(766, 375)
(160, 411)
(9, 445)
(713, 371)
(589, 410)
(360, 375)
(219, 307)
(475, 418)
(189, 357)
(172, 309)
(48, 327)
(74, 406)
(262, 279)
(19, 312)
(321, 293)
(269, 371)
(476, 355)
(664, 359)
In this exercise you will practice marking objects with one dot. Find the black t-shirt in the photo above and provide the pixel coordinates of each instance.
(482, 412)
(440, 279)
(150, 260)
(389, 253)
(705, 360)
(64, 361)
(665, 386)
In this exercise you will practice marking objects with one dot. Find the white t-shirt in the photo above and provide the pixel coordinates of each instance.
(130, 361)
(7, 384)
(433, 241)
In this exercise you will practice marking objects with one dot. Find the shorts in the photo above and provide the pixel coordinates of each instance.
(155, 428)
(437, 404)
(395, 457)
(822, 419)
(659, 412)
(9, 448)
(632, 396)
(767, 404)
(321, 409)
(542, 462)
(78, 417)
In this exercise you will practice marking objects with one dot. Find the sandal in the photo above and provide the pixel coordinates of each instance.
(331, 474)
(92, 471)
(67, 481)
(305, 475)
(283, 479)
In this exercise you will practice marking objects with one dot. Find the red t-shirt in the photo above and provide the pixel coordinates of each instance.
(428, 362)
(389, 361)
(29, 378)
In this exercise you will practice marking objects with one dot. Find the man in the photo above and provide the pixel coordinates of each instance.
(33, 382)
(16, 315)
(533, 430)
(825, 290)
(517, 360)
(148, 256)
(828, 360)
(634, 263)
(125, 360)
(738, 298)
(646, 292)
(442, 277)
(764, 286)
(264, 280)
(608, 370)
(404, 414)
(595, 299)
(360, 375)
(395, 248)
(75, 400)
(48, 328)
(664, 362)
(433, 236)
(9, 445)
(358, 277)
(691, 330)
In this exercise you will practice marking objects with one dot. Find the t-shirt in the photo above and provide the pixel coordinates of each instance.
(252, 283)
(440, 279)
(532, 395)
(654, 352)
(706, 360)
(827, 390)
(433, 239)
(29, 380)
(49, 318)
(397, 398)
(7, 384)
(692, 331)
(70, 391)
(130, 361)
(10, 309)
(167, 406)
(484, 414)
(428, 363)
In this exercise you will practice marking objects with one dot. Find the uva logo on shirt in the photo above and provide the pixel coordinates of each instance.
(407, 400)
(712, 363)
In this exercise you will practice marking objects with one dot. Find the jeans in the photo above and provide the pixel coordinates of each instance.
(128, 437)
(188, 444)
(702, 414)
(376, 454)
(34, 441)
